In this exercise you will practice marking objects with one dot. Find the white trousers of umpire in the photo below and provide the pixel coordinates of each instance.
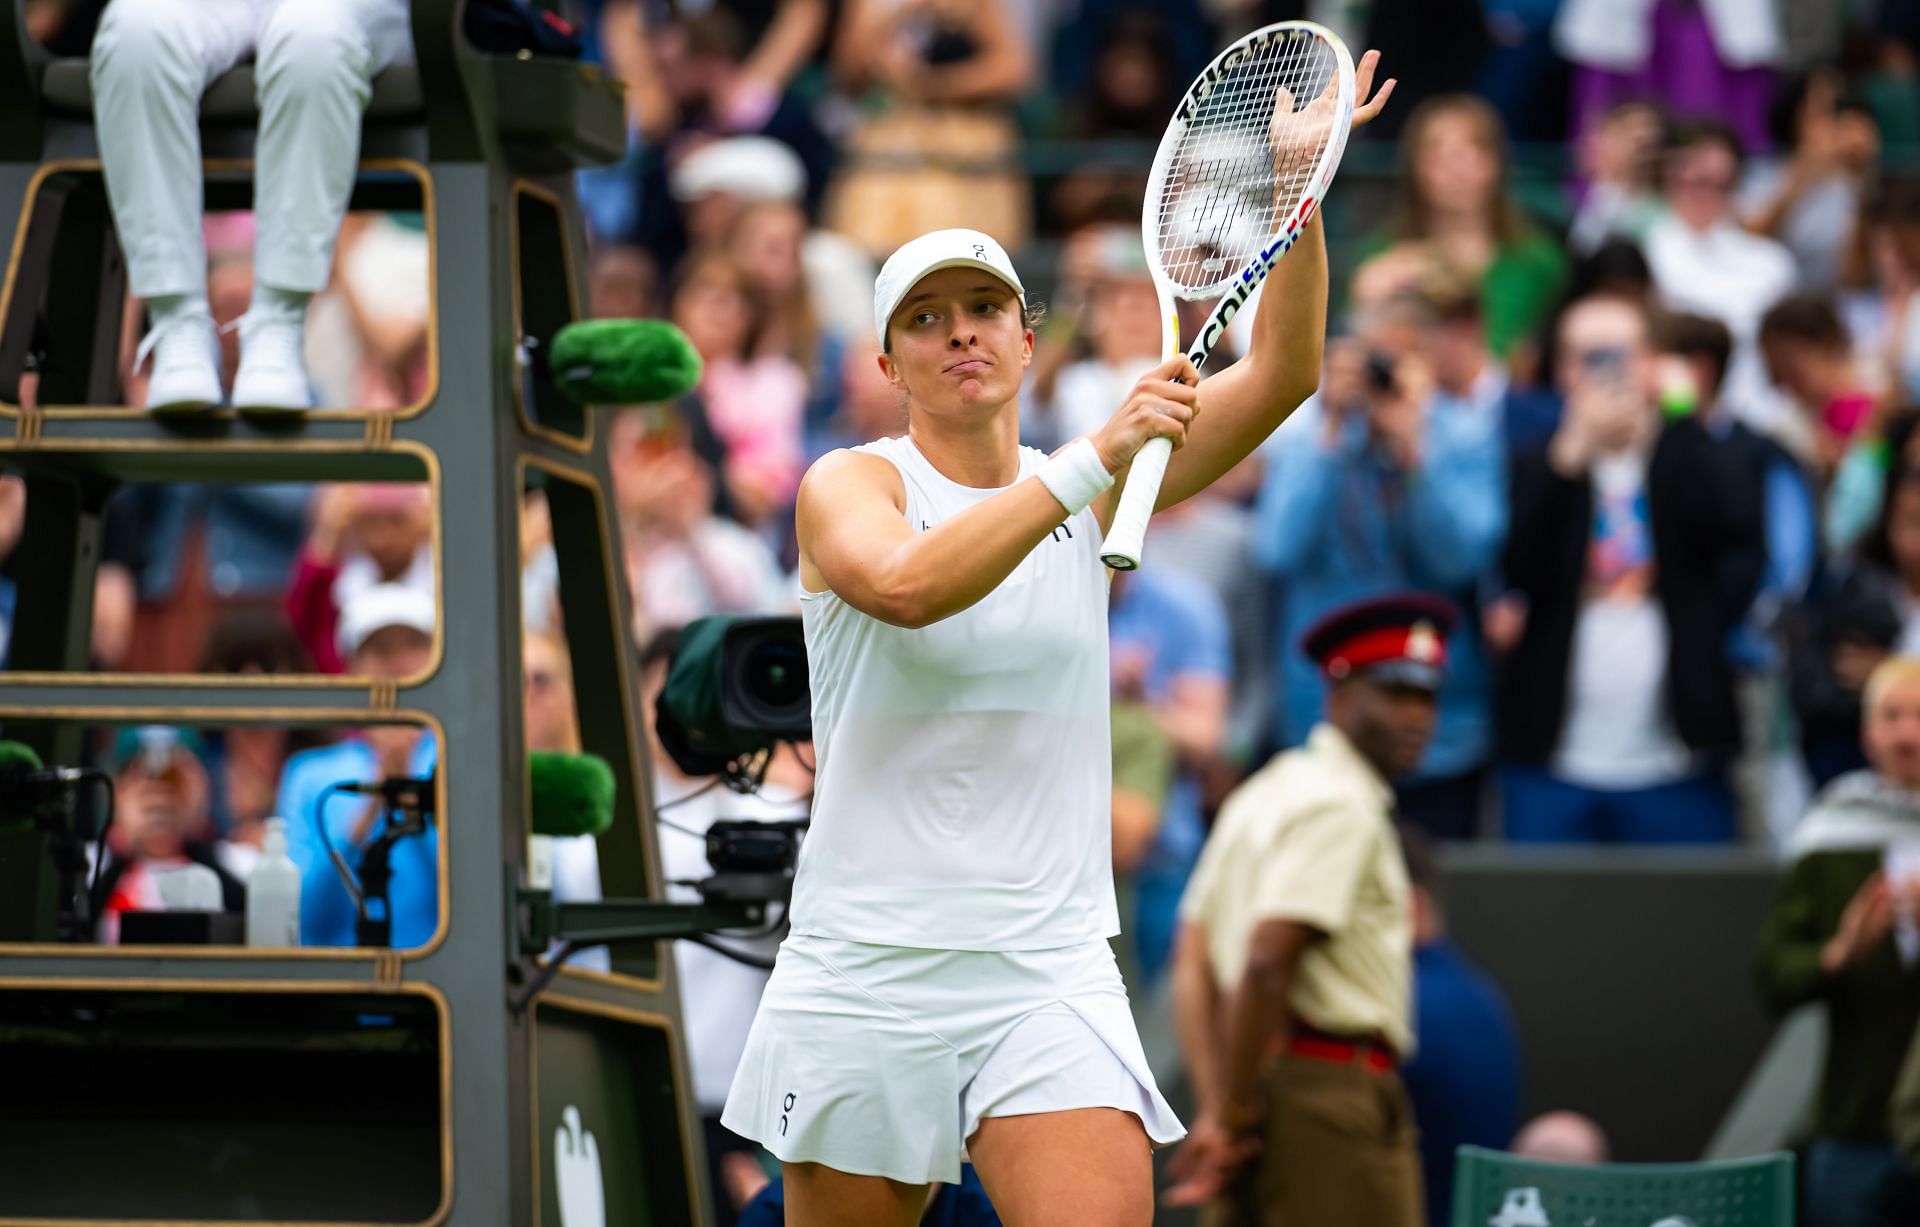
(315, 63)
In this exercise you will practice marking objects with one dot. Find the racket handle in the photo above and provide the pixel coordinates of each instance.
(1129, 535)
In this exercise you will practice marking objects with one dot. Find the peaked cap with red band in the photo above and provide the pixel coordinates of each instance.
(1397, 640)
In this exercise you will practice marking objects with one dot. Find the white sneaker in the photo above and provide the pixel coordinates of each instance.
(186, 364)
(273, 374)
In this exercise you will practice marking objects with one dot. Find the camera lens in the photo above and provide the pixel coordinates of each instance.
(776, 673)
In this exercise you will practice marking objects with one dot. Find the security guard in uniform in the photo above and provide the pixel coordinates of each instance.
(1294, 967)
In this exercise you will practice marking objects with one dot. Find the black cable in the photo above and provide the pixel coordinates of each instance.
(703, 790)
(339, 862)
(100, 845)
(544, 976)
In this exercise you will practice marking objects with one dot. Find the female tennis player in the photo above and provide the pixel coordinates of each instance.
(948, 988)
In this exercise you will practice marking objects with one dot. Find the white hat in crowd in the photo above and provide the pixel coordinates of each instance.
(379, 606)
(750, 167)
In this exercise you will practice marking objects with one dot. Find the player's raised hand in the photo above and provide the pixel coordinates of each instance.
(1365, 108)
(1161, 406)
(1298, 134)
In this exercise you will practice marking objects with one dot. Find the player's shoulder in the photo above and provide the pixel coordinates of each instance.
(863, 467)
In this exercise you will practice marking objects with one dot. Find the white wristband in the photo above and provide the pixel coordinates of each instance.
(1075, 475)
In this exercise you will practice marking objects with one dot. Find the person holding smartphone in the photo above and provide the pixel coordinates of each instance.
(1635, 548)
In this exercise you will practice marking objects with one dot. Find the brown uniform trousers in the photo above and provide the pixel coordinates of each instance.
(1339, 1150)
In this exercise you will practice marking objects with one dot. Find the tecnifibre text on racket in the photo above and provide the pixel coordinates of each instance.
(1244, 163)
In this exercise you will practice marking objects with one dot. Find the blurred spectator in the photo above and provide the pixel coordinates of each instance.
(1890, 255)
(1464, 1078)
(367, 337)
(13, 521)
(1563, 1137)
(868, 408)
(553, 726)
(1703, 261)
(363, 535)
(1171, 651)
(1129, 95)
(1210, 540)
(1521, 74)
(941, 150)
(1186, 38)
(623, 282)
(1810, 198)
(386, 633)
(753, 402)
(1810, 357)
(1694, 353)
(1143, 776)
(1120, 324)
(767, 244)
(1864, 611)
(1842, 933)
(692, 85)
(720, 182)
(718, 995)
(1693, 57)
(244, 761)
(553, 722)
(150, 61)
(1636, 548)
(161, 821)
(1398, 484)
(1620, 159)
(683, 561)
(188, 553)
(1453, 196)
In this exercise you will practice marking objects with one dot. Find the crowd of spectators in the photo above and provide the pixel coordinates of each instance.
(1624, 364)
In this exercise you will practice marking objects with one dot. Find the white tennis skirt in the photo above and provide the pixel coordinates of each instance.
(883, 1060)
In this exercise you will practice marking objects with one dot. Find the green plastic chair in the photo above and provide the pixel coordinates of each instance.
(1494, 1189)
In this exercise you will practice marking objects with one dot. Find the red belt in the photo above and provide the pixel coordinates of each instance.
(1319, 1046)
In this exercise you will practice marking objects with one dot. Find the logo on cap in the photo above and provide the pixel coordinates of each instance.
(979, 251)
(1422, 644)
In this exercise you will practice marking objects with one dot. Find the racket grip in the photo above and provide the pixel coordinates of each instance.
(1129, 535)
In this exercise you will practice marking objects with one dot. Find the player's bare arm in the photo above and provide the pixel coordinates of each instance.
(1246, 402)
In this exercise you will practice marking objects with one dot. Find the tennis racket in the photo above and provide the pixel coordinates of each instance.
(1243, 165)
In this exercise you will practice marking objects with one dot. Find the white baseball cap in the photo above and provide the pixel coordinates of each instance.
(750, 167)
(929, 254)
(379, 606)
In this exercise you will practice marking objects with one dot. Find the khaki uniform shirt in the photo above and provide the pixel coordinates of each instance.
(1310, 838)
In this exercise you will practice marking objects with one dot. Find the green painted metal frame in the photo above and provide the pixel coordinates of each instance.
(491, 128)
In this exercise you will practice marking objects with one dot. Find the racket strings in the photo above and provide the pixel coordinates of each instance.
(1238, 172)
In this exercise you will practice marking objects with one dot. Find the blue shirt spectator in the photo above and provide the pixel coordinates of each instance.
(1171, 648)
(1464, 1080)
(327, 912)
(386, 632)
(1344, 516)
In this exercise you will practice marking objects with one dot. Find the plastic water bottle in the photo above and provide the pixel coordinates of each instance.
(273, 893)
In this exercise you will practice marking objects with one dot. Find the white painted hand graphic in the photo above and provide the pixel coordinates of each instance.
(576, 1168)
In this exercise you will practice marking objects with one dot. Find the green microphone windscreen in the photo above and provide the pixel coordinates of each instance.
(623, 362)
(572, 793)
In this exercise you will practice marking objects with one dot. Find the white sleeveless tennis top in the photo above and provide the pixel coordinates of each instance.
(964, 770)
